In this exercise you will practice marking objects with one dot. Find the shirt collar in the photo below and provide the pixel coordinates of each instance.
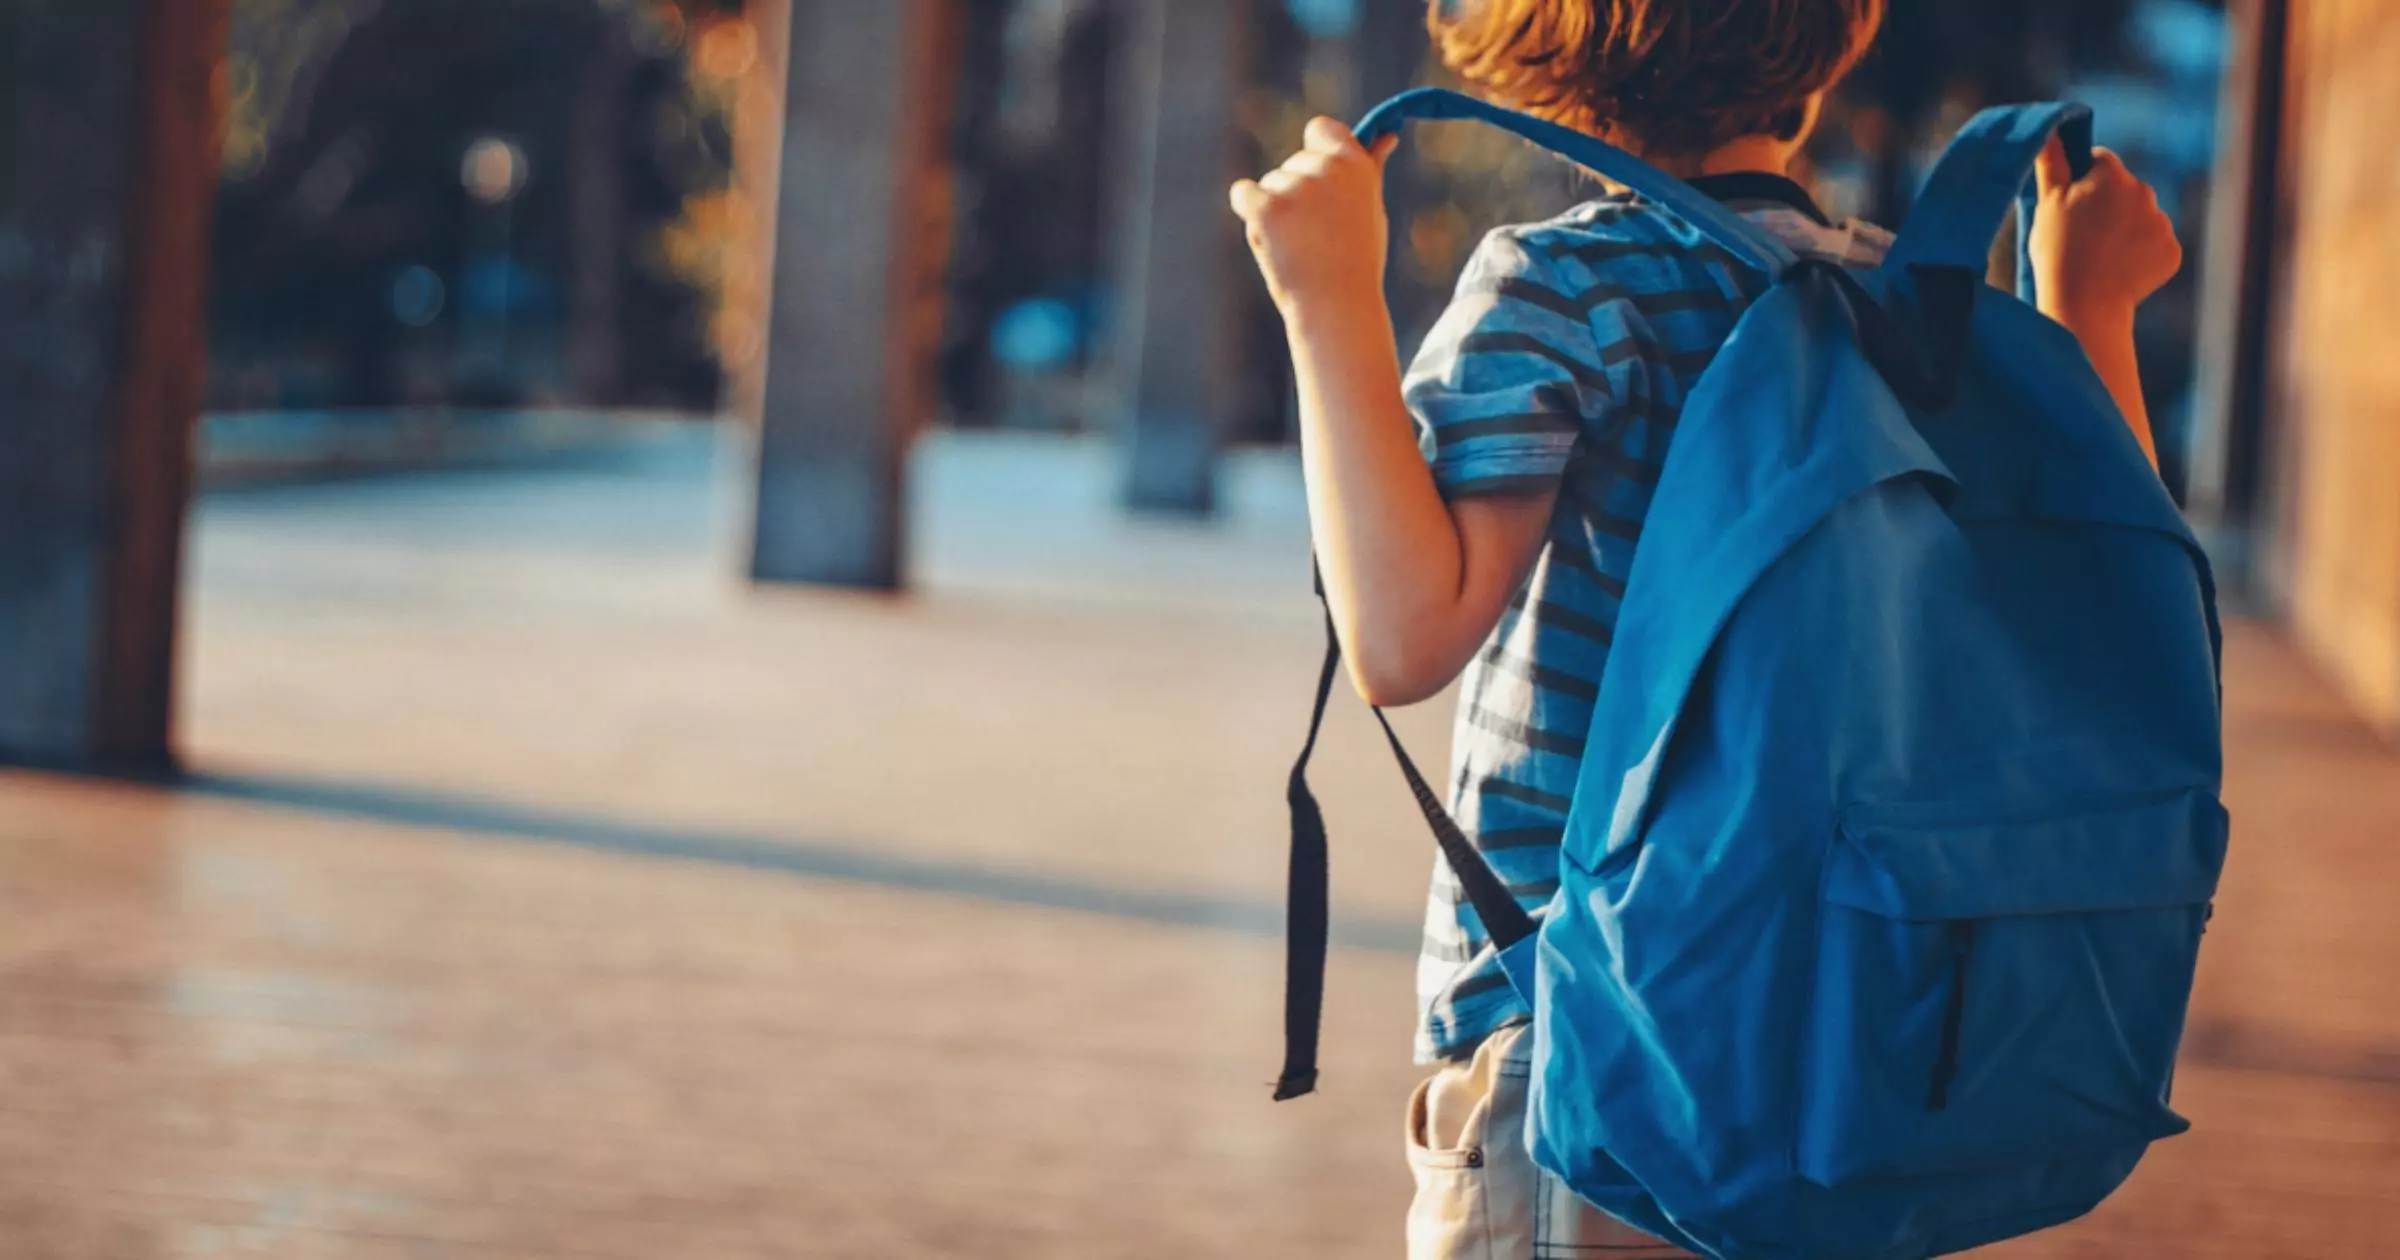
(1765, 186)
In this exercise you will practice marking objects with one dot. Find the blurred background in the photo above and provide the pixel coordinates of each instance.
(671, 628)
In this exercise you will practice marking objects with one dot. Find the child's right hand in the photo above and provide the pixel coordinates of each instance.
(1316, 224)
(2100, 244)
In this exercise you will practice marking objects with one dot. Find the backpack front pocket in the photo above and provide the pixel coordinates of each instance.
(1991, 994)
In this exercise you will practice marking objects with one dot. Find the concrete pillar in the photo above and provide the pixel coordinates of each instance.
(1393, 54)
(2335, 386)
(596, 162)
(1391, 51)
(861, 229)
(109, 123)
(1179, 248)
(2229, 422)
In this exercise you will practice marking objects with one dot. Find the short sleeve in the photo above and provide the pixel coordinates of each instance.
(1509, 376)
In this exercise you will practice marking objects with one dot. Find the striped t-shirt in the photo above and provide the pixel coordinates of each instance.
(1563, 361)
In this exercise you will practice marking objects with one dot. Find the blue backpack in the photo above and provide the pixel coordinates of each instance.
(1898, 825)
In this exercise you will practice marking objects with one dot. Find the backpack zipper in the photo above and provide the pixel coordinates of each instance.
(1954, 1013)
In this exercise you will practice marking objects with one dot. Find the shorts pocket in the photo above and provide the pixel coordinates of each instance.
(1993, 994)
(1450, 1217)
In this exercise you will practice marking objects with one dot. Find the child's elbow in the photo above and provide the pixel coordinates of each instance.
(1393, 675)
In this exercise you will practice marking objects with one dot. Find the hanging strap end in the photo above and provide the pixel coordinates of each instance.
(1295, 1085)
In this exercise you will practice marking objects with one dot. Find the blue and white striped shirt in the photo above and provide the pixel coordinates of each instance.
(1563, 361)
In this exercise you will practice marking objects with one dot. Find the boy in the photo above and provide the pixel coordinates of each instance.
(1481, 514)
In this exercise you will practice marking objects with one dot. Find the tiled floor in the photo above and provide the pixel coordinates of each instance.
(543, 892)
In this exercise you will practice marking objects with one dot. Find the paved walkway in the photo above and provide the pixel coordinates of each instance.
(544, 892)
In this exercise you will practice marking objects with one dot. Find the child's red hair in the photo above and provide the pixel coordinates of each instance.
(1673, 78)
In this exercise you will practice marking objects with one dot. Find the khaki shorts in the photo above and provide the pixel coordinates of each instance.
(1478, 1192)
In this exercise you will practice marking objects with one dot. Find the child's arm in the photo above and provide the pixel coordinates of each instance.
(1415, 582)
(2100, 246)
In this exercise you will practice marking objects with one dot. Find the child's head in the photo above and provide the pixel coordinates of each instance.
(1672, 79)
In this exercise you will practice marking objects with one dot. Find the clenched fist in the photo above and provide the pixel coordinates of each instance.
(1316, 223)
(2100, 243)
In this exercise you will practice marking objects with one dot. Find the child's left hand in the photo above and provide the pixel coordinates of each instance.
(2100, 243)
(1316, 224)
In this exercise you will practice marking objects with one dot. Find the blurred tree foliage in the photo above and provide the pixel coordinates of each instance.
(352, 265)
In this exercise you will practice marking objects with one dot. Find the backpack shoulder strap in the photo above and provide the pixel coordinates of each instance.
(1986, 170)
(1308, 923)
(1745, 241)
